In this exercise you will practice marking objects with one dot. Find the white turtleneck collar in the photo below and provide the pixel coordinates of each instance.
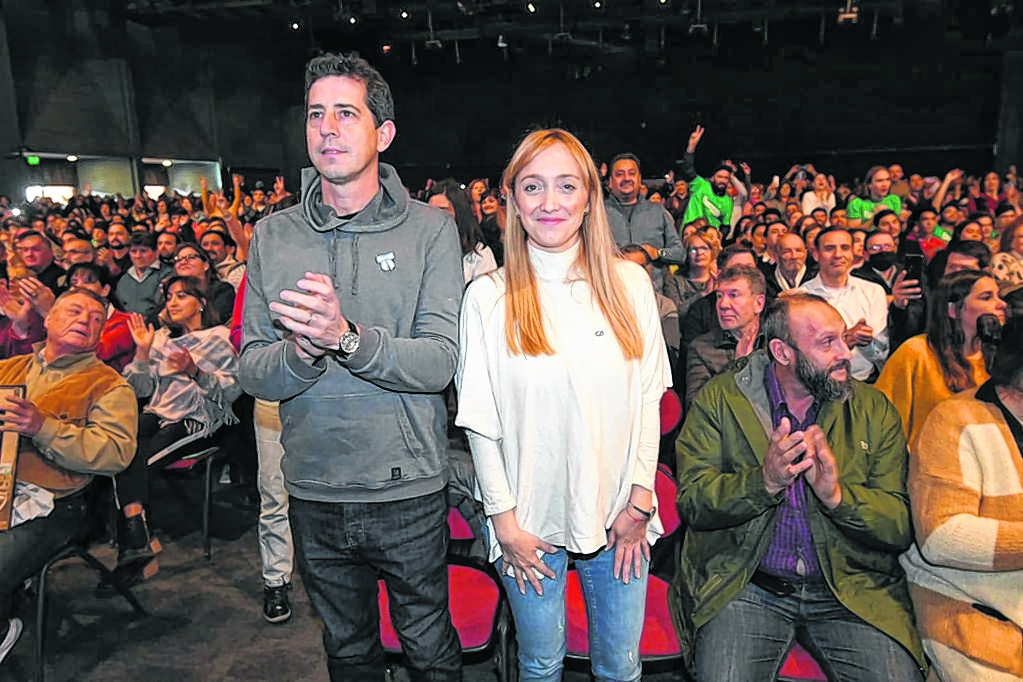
(553, 266)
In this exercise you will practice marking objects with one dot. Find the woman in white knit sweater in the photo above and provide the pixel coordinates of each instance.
(966, 487)
(561, 369)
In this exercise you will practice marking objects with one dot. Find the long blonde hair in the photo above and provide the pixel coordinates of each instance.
(524, 330)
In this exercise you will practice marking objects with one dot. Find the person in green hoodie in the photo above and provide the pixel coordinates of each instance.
(792, 485)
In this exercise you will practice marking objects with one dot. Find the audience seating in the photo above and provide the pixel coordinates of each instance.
(479, 610)
(206, 452)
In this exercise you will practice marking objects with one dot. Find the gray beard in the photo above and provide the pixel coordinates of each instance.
(820, 384)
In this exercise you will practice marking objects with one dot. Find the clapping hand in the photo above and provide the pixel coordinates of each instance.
(18, 310)
(785, 459)
(860, 334)
(312, 313)
(181, 362)
(142, 334)
(823, 473)
(40, 295)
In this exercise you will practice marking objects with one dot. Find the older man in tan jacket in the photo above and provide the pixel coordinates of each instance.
(78, 419)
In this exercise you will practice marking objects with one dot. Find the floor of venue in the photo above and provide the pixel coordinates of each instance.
(205, 621)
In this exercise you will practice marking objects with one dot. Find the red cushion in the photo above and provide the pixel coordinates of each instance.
(658, 639)
(671, 411)
(667, 507)
(800, 666)
(473, 598)
(460, 528)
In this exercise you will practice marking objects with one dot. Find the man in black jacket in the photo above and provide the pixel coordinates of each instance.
(907, 309)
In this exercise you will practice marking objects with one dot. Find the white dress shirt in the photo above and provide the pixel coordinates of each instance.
(859, 300)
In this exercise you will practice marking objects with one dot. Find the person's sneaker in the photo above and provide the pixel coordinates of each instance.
(14, 628)
(276, 607)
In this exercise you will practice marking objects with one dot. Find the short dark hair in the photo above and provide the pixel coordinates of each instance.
(777, 316)
(224, 237)
(626, 156)
(96, 273)
(351, 65)
(635, 248)
(829, 230)
(145, 239)
(752, 275)
(30, 234)
(733, 250)
(883, 213)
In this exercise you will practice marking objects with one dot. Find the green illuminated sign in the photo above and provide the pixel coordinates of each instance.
(32, 160)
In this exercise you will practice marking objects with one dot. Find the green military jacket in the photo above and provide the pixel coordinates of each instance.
(730, 516)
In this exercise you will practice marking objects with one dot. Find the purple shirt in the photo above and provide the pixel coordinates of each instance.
(791, 555)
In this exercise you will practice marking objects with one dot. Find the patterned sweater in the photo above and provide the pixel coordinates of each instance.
(966, 568)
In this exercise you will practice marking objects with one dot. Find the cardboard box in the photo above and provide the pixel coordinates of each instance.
(8, 462)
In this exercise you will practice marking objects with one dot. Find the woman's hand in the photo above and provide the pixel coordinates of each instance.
(181, 362)
(142, 334)
(519, 550)
(628, 537)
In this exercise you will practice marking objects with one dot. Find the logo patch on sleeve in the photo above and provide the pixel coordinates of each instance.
(395, 473)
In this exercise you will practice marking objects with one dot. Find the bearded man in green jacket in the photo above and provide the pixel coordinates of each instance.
(792, 483)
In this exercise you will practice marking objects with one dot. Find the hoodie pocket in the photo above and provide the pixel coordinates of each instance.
(373, 440)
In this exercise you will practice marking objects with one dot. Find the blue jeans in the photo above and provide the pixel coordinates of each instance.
(342, 549)
(614, 612)
(748, 640)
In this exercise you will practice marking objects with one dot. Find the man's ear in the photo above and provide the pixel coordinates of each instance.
(781, 352)
(385, 136)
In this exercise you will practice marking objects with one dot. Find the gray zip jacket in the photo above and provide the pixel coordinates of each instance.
(372, 427)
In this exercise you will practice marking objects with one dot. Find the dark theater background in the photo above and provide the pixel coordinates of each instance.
(126, 85)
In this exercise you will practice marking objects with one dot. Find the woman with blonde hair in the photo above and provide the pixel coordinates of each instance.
(696, 277)
(562, 365)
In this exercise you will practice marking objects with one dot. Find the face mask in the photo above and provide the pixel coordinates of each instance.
(883, 260)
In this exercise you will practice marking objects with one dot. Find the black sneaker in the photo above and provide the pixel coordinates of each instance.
(276, 607)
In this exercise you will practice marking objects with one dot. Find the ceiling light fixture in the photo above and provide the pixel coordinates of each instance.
(71, 158)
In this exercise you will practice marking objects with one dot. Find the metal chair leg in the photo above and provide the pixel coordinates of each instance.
(96, 564)
(40, 662)
(207, 495)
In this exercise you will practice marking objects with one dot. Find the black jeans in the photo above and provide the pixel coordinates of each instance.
(26, 548)
(132, 484)
(342, 549)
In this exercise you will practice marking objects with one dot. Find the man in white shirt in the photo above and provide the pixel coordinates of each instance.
(863, 305)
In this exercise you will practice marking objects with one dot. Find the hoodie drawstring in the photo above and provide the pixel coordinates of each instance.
(355, 266)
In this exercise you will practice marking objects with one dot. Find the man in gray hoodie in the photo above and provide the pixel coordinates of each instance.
(351, 323)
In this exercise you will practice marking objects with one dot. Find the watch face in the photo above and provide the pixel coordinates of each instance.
(349, 343)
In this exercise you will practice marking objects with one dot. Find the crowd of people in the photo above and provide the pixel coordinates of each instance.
(848, 355)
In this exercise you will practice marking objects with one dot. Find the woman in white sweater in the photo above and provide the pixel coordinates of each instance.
(562, 365)
(820, 196)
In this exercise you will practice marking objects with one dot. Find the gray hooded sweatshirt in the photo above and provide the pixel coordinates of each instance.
(372, 427)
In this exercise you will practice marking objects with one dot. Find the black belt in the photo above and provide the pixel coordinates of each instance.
(779, 587)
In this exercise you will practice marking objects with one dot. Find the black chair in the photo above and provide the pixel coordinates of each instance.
(73, 548)
(203, 451)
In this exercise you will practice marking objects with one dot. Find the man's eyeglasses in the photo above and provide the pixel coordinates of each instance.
(878, 248)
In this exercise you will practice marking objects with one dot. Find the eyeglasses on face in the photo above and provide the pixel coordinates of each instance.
(187, 258)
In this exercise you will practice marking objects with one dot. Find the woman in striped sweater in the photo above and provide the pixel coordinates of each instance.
(966, 488)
